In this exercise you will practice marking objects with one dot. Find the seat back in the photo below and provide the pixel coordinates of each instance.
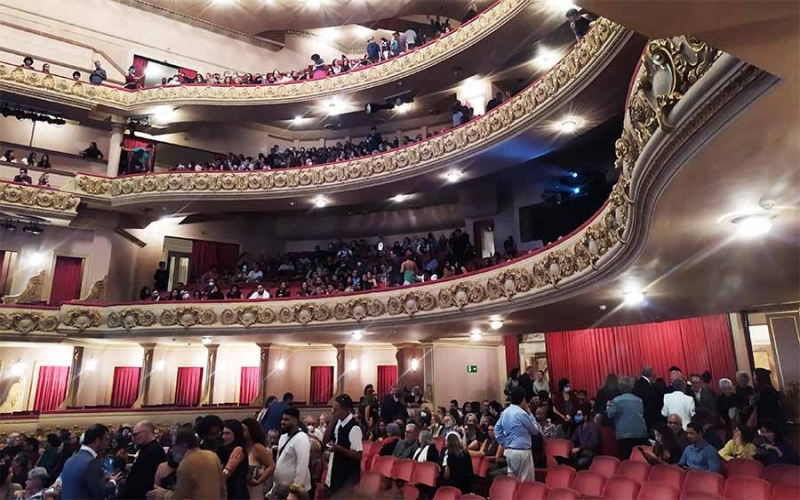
(652, 490)
(556, 448)
(746, 488)
(447, 493)
(471, 496)
(426, 473)
(605, 465)
(560, 476)
(638, 471)
(563, 494)
(608, 441)
(503, 488)
(744, 467)
(370, 484)
(439, 442)
(786, 474)
(637, 455)
(366, 446)
(480, 466)
(409, 492)
(699, 495)
(620, 488)
(530, 490)
(667, 474)
(366, 461)
(705, 481)
(589, 482)
(384, 465)
(403, 470)
(784, 492)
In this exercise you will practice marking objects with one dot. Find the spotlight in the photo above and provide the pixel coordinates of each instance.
(206, 340)
(633, 298)
(569, 126)
(400, 198)
(281, 365)
(496, 324)
(373, 107)
(576, 190)
(751, 226)
(453, 175)
(357, 335)
(298, 120)
(320, 201)
(475, 335)
(33, 228)
(574, 175)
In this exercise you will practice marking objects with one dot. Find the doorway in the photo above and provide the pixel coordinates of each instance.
(177, 268)
(67, 280)
(484, 237)
(8, 261)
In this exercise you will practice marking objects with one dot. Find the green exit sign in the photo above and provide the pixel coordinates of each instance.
(472, 369)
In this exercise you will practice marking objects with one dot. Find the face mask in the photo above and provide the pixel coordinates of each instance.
(578, 419)
(566, 389)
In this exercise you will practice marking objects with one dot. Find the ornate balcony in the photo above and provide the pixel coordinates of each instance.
(37, 201)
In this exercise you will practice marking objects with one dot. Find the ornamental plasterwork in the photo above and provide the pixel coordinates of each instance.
(26, 321)
(39, 200)
(524, 109)
(22, 81)
(568, 263)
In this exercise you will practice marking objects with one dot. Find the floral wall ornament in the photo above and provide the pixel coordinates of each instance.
(82, 318)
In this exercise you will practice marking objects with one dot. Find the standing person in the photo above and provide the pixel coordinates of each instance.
(142, 474)
(627, 411)
(525, 381)
(605, 394)
(373, 50)
(83, 477)
(704, 396)
(644, 390)
(260, 464)
(199, 473)
(294, 451)
(512, 382)
(539, 383)
(345, 445)
(98, 74)
(411, 38)
(234, 461)
(769, 407)
(678, 402)
(272, 418)
(564, 402)
(160, 277)
(513, 432)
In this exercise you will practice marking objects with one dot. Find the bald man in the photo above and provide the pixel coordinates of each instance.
(150, 455)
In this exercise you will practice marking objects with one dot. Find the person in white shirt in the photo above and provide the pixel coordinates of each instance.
(260, 293)
(294, 452)
(411, 38)
(679, 403)
(255, 275)
(319, 432)
(344, 464)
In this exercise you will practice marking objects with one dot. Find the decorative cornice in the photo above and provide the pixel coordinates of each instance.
(31, 83)
(576, 70)
(39, 201)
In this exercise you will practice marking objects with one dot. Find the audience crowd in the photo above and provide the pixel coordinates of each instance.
(279, 455)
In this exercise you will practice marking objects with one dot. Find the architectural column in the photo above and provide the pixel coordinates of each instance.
(115, 149)
(74, 378)
(785, 339)
(341, 370)
(427, 372)
(144, 375)
(210, 375)
(410, 360)
(263, 375)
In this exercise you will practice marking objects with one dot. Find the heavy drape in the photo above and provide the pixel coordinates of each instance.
(140, 63)
(189, 73)
(511, 344)
(125, 388)
(51, 387)
(387, 377)
(67, 278)
(321, 384)
(248, 384)
(188, 386)
(585, 357)
(207, 254)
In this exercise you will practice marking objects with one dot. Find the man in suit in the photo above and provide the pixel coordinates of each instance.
(644, 390)
(272, 417)
(526, 382)
(199, 473)
(83, 477)
(143, 472)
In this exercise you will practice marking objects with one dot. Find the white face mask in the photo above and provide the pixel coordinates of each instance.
(566, 389)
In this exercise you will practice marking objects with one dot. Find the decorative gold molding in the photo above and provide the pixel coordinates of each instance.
(32, 292)
(18, 80)
(38, 200)
(98, 291)
(558, 85)
(24, 321)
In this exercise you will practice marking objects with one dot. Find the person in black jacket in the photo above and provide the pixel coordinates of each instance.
(644, 390)
(456, 465)
(143, 471)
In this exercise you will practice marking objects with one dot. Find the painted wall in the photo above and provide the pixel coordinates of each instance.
(451, 380)
(367, 359)
(296, 376)
(162, 383)
(95, 386)
(31, 357)
(230, 361)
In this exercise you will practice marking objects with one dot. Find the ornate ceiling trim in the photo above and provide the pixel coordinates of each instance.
(38, 201)
(25, 82)
(565, 80)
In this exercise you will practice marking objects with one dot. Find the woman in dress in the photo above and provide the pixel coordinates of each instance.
(234, 460)
(259, 458)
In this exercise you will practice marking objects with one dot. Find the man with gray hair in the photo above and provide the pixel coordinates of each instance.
(627, 412)
(37, 478)
(679, 403)
(150, 455)
(406, 447)
(644, 390)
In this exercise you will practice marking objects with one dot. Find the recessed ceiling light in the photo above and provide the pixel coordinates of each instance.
(163, 114)
(569, 126)
(400, 198)
(574, 175)
(633, 298)
(357, 335)
(206, 340)
(453, 175)
(298, 120)
(545, 58)
(751, 226)
(291, 203)
(603, 307)
(496, 324)
(475, 336)
(576, 190)
(320, 201)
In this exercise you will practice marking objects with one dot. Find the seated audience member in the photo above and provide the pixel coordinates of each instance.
(493, 103)
(44, 161)
(98, 74)
(546, 426)
(377, 431)
(775, 448)
(670, 441)
(259, 293)
(740, 446)
(34, 485)
(389, 443)
(30, 159)
(586, 438)
(8, 156)
(426, 451)
(704, 419)
(20, 465)
(92, 152)
(678, 402)
(283, 290)
(234, 293)
(46, 68)
(407, 446)
(23, 177)
(76, 75)
(255, 275)
(44, 180)
(699, 455)
(27, 62)
(215, 294)
(456, 466)
(578, 23)
(627, 412)
(132, 80)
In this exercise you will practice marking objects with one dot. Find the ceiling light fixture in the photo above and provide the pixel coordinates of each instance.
(163, 114)
(569, 126)
(313, 4)
(320, 201)
(206, 340)
(35, 259)
(453, 175)
(399, 198)
(298, 120)
(633, 298)
(496, 324)
(475, 336)
(357, 335)
(752, 226)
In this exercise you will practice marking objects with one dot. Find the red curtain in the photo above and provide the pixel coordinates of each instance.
(248, 384)
(51, 388)
(189, 73)
(387, 377)
(188, 386)
(67, 279)
(321, 384)
(207, 254)
(511, 344)
(125, 388)
(585, 357)
(140, 63)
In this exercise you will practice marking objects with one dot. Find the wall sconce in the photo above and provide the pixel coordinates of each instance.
(91, 365)
(281, 365)
(414, 364)
(160, 364)
(17, 369)
(353, 365)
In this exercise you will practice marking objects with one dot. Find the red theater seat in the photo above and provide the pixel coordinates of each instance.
(556, 448)
(403, 470)
(637, 455)
(439, 442)
(447, 493)
(638, 471)
(480, 466)
(784, 492)
(426, 473)
(370, 484)
(699, 495)
(563, 494)
(560, 476)
(705, 481)
(366, 446)
(620, 488)
(472, 496)
(667, 474)
(503, 488)
(744, 467)
(384, 465)
(530, 490)
(785, 474)
(409, 492)
(605, 465)
(652, 490)
(746, 488)
(589, 483)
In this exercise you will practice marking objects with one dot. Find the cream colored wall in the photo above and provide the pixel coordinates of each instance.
(368, 358)
(451, 380)
(296, 376)
(162, 383)
(32, 356)
(69, 138)
(230, 361)
(95, 386)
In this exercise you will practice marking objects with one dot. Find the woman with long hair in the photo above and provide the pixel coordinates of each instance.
(741, 446)
(667, 449)
(563, 403)
(260, 464)
(606, 393)
(513, 381)
(456, 465)
(232, 455)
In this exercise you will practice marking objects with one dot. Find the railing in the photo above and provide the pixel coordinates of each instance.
(556, 86)
(38, 200)
(495, 17)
